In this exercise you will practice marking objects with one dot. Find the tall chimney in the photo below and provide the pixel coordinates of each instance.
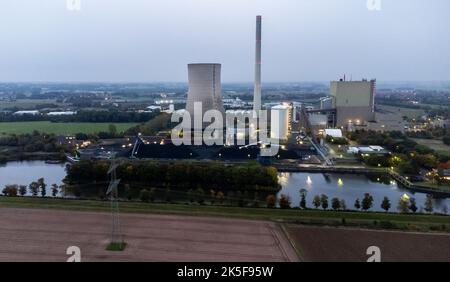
(257, 86)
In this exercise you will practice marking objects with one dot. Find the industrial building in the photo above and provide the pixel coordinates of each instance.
(204, 87)
(354, 102)
(280, 122)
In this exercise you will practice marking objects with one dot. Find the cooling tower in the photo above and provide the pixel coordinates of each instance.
(204, 87)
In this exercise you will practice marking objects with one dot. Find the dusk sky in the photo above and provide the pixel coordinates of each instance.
(154, 40)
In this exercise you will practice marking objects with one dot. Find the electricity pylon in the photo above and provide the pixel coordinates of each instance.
(116, 235)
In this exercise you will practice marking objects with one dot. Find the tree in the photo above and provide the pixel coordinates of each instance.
(43, 187)
(285, 201)
(190, 195)
(128, 193)
(22, 190)
(34, 188)
(357, 204)
(335, 204)
(200, 195)
(324, 201)
(271, 201)
(212, 196)
(220, 197)
(303, 193)
(316, 201)
(446, 140)
(10, 190)
(152, 194)
(256, 200)
(367, 202)
(144, 195)
(403, 205)
(343, 205)
(168, 196)
(112, 130)
(54, 190)
(412, 205)
(386, 204)
(429, 204)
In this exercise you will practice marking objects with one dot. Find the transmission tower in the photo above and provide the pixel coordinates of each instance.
(116, 235)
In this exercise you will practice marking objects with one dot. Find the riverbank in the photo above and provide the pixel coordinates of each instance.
(373, 220)
(419, 187)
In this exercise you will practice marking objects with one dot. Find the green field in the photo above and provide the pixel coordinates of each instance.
(437, 145)
(410, 113)
(416, 222)
(27, 104)
(59, 128)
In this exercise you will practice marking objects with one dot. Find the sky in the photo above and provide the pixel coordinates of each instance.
(154, 40)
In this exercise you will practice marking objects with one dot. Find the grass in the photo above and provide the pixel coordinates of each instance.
(27, 104)
(409, 112)
(116, 246)
(437, 145)
(434, 186)
(417, 222)
(59, 128)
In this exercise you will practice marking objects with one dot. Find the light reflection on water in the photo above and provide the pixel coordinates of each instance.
(349, 187)
(343, 186)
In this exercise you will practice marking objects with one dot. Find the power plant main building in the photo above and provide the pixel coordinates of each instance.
(354, 102)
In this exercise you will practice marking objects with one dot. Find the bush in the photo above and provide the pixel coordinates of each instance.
(336, 140)
(285, 202)
(271, 201)
(447, 140)
(144, 195)
(386, 225)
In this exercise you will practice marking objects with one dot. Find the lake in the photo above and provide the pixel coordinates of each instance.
(350, 187)
(343, 186)
(23, 173)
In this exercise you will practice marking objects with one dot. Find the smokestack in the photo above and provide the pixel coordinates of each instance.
(257, 86)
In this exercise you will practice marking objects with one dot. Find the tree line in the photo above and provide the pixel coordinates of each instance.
(178, 176)
(35, 188)
(112, 116)
(404, 204)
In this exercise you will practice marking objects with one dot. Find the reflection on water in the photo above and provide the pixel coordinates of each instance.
(349, 187)
(343, 186)
(23, 173)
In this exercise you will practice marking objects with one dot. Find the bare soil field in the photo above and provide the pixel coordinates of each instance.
(345, 244)
(44, 235)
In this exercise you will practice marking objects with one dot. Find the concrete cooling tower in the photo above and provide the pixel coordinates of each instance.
(204, 87)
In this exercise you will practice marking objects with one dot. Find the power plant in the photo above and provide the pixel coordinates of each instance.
(350, 104)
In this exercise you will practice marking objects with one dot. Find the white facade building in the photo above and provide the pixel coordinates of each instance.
(279, 122)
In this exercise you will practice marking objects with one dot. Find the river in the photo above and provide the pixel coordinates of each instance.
(348, 187)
